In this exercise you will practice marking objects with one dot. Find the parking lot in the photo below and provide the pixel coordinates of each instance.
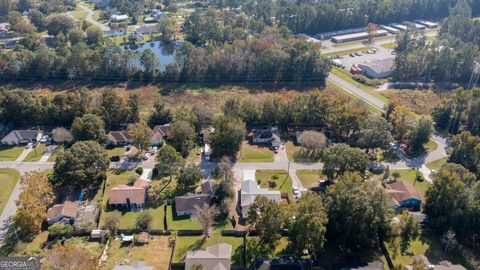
(363, 55)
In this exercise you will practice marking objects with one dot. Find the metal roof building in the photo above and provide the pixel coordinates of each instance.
(357, 36)
(428, 24)
(381, 68)
(398, 26)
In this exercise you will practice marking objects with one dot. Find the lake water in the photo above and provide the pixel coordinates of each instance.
(164, 52)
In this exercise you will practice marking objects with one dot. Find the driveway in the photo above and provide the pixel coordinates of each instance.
(24, 153)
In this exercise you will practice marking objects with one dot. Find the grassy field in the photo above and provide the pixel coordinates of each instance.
(176, 223)
(36, 154)
(283, 183)
(157, 213)
(188, 243)
(155, 253)
(78, 14)
(337, 88)
(295, 153)
(309, 178)
(10, 153)
(391, 45)
(255, 153)
(117, 151)
(421, 102)
(436, 165)
(347, 76)
(8, 180)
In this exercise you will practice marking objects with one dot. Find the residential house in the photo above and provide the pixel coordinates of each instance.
(147, 28)
(16, 137)
(4, 29)
(269, 136)
(285, 262)
(216, 257)
(404, 194)
(119, 138)
(86, 216)
(158, 15)
(65, 212)
(160, 133)
(377, 265)
(135, 266)
(131, 197)
(185, 204)
(118, 18)
(250, 191)
(443, 265)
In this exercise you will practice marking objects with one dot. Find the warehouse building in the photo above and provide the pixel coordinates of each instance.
(389, 29)
(378, 69)
(357, 36)
(328, 35)
(398, 26)
(428, 24)
(419, 26)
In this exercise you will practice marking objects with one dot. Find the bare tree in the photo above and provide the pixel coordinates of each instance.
(312, 141)
(62, 135)
(206, 215)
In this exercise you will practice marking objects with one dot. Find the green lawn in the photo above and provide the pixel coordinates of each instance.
(255, 153)
(436, 165)
(283, 183)
(408, 175)
(33, 248)
(295, 153)
(391, 45)
(347, 76)
(431, 146)
(188, 243)
(55, 153)
(10, 153)
(331, 85)
(117, 151)
(176, 223)
(8, 180)
(427, 245)
(309, 178)
(36, 153)
(157, 213)
(78, 14)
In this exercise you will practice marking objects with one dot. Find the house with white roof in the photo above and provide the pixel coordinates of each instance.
(217, 257)
(250, 190)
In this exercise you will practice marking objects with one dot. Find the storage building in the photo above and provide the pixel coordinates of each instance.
(428, 24)
(357, 36)
(398, 26)
(381, 68)
(389, 29)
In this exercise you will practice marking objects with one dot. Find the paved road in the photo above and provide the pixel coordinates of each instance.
(90, 19)
(364, 96)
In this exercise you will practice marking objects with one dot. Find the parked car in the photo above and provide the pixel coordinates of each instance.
(44, 139)
(146, 156)
(295, 190)
(352, 55)
(115, 158)
(358, 53)
(275, 150)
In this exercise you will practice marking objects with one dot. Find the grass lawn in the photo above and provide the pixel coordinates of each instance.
(431, 146)
(188, 243)
(309, 178)
(408, 175)
(283, 183)
(331, 85)
(55, 153)
(155, 253)
(157, 213)
(10, 153)
(33, 248)
(255, 153)
(347, 76)
(78, 14)
(428, 245)
(176, 223)
(391, 45)
(294, 153)
(436, 165)
(8, 180)
(117, 151)
(36, 153)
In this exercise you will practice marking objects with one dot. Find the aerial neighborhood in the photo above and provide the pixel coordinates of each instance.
(217, 135)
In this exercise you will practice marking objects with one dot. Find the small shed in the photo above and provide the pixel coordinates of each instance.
(99, 234)
(143, 238)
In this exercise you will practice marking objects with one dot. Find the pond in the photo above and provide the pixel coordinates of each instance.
(165, 52)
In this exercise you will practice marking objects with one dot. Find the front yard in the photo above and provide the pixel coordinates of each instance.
(309, 178)
(282, 180)
(155, 253)
(116, 151)
(436, 165)
(8, 180)
(36, 154)
(255, 153)
(408, 175)
(55, 153)
(296, 153)
(10, 153)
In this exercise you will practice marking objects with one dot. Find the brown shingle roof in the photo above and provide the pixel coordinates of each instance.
(66, 209)
(143, 237)
(208, 187)
(120, 194)
(400, 191)
(118, 136)
(187, 201)
(160, 131)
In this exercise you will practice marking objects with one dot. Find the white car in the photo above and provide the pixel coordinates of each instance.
(146, 156)
(295, 190)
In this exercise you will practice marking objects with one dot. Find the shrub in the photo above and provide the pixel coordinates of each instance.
(139, 170)
(143, 221)
(60, 228)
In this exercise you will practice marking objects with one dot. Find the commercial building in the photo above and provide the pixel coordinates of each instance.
(328, 35)
(381, 68)
(357, 36)
(389, 29)
(398, 26)
(428, 24)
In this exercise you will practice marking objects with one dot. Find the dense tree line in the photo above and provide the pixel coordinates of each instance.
(312, 17)
(449, 58)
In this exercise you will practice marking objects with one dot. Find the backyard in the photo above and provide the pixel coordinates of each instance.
(282, 180)
(177, 223)
(10, 153)
(155, 253)
(255, 153)
(8, 180)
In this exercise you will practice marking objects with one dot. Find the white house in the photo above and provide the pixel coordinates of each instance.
(118, 18)
(381, 68)
(267, 136)
(16, 137)
(250, 191)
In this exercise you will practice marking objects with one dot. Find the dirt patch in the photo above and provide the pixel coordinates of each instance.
(419, 101)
